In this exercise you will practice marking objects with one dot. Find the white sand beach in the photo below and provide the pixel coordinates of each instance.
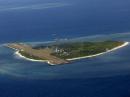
(123, 45)
(29, 59)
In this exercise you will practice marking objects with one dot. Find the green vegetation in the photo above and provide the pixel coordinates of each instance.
(80, 49)
(74, 49)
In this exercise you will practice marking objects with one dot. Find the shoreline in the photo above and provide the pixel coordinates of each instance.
(29, 59)
(90, 56)
(72, 59)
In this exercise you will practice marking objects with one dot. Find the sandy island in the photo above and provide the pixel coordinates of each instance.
(52, 60)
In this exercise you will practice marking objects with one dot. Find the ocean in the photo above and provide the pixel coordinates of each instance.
(40, 21)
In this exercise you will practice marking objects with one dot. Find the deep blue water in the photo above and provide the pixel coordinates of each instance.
(32, 21)
(75, 18)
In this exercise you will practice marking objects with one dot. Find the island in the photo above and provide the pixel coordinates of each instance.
(63, 53)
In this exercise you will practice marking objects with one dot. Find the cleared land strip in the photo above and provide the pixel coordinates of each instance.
(44, 54)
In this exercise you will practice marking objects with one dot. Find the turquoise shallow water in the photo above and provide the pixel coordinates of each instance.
(107, 75)
(109, 64)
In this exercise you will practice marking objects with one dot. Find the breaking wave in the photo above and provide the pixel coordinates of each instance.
(34, 6)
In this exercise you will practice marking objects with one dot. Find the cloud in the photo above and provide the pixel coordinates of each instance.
(34, 7)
